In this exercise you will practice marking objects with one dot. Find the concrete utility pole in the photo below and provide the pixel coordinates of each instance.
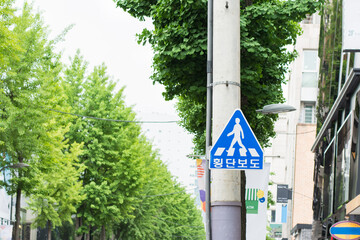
(225, 185)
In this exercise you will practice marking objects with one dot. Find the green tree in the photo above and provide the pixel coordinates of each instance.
(29, 87)
(9, 43)
(121, 167)
(56, 183)
(113, 174)
(179, 43)
(163, 210)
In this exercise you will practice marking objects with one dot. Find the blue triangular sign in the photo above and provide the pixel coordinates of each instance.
(237, 146)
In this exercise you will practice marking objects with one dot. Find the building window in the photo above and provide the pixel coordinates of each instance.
(309, 79)
(273, 215)
(308, 113)
(309, 75)
(327, 197)
(342, 162)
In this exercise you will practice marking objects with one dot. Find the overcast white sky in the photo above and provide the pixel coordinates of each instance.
(106, 34)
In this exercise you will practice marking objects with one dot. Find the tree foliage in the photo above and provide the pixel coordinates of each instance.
(56, 185)
(29, 132)
(9, 43)
(179, 43)
(163, 210)
(29, 87)
(99, 167)
(112, 176)
(121, 166)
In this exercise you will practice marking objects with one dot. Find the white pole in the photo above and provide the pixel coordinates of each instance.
(225, 185)
(357, 60)
(341, 70)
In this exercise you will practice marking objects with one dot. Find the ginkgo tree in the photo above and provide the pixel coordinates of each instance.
(113, 175)
(56, 185)
(85, 151)
(164, 209)
(121, 166)
(9, 43)
(29, 132)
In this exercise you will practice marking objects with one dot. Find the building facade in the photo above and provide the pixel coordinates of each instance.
(290, 155)
(336, 188)
(336, 174)
(5, 206)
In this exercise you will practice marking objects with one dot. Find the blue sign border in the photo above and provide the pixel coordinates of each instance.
(224, 155)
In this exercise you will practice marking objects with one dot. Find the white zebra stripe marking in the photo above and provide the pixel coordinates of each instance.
(253, 152)
(219, 151)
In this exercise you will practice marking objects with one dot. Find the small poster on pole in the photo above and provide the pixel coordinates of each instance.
(256, 202)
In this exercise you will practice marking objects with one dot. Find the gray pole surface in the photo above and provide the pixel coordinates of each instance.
(225, 184)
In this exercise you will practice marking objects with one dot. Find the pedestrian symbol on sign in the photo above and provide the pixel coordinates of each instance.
(238, 134)
(237, 146)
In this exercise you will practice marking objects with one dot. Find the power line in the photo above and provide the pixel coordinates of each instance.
(295, 133)
(303, 195)
(293, 190)
(110, 120)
